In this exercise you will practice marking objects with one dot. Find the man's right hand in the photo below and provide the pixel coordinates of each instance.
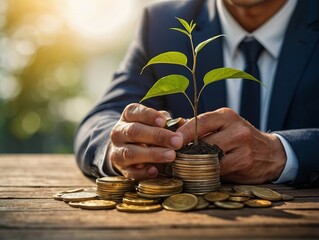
(139, 142)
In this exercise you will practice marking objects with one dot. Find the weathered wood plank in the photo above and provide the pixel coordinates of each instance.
(238, 233)
(36, 192)
(41, 170)
(27, 210)
(68, 218)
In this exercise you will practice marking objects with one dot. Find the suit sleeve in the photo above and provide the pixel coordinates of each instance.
(127, 86)
(305, 143)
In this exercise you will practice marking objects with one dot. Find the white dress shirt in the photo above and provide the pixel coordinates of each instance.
(271, 36)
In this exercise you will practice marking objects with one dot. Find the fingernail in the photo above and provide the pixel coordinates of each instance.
(177, 141)
(160, 122)
(152, 171)
(169, 155)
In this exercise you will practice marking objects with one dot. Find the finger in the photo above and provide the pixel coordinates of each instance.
(140, 133)
(231, 137)
(131, 154)
(138, 174)
(207, 123)
(166, 114)
(138, 113)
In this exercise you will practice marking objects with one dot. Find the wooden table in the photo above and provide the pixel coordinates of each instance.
(27, 210)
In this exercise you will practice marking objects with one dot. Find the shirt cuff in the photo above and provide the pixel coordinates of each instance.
(103, 164)
(291, 168)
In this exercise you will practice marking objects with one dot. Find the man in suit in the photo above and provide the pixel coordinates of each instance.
(120, 136)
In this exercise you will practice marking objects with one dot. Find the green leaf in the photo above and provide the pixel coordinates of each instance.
(185, 24)
(180, 30)
(193, 26)
(204, 43)
(168, 58)
(169, 84)
(225, 73)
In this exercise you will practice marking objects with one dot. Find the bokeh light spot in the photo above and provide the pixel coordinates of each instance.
(31, 123)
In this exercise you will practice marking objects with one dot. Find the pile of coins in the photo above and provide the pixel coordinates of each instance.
(245, 195)
(132, 202)
(113, 188)
(155, 194)
(199, 173)
(158, 188)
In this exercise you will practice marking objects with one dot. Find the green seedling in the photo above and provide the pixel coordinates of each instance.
(176, 83)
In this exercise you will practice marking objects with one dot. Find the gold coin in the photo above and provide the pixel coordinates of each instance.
(74, 204)
(123, 207)
(180, 202)
(286, 197)
(229, 205)
(171, 122)
(216, 196)
(97, 204)
(72, 190)
(78, 196)
(267, 194)
(58, 196)
(161, 183)
(131, 195)
(244, 189)
(115, 179)
(152, 196)
(201, 203)
(155, 191)
(240, 194)
(257, 203)
(238, 199)
(197, 157)
(211, 206)
(213, 163)
(140, 201)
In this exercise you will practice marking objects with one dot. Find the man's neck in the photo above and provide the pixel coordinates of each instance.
(251, 16)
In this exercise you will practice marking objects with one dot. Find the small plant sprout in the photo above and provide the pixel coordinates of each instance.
(176, 83)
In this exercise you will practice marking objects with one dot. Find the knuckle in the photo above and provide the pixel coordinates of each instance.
(130, 110)
(228, 113)
(115, 134)
(132, 130)
(203, 122)
(159, 136)
(128, 153)
(154, 155)
(115, 158)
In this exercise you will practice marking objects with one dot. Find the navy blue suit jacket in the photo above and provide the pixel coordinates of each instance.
(294, 108)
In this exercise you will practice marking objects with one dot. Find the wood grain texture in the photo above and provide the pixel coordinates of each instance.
(28, 211)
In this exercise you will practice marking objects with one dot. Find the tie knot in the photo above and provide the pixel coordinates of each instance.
(251, 49)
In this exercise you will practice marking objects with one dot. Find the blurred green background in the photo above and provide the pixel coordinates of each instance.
(56, 59)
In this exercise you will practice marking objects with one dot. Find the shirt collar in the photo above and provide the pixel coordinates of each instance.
(270, 34)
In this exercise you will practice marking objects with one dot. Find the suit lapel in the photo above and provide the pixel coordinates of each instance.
(299, 42)
(211, 57)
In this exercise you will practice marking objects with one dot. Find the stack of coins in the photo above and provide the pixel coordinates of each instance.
(113, 188)
(133, 203)
(199, 173)
(159, 187)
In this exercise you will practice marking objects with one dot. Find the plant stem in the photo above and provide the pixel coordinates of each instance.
(195, 90)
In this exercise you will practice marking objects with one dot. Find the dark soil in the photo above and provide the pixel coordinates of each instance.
(202, 148)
